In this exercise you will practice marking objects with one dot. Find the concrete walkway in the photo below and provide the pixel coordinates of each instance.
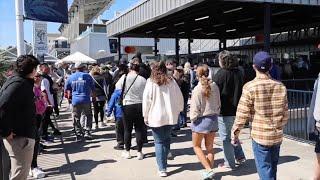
(96, 159)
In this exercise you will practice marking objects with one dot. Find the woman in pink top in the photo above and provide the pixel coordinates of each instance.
(41, 106)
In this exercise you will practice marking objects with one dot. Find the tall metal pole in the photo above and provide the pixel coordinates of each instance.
(156, 46)
(267, 26)
(119, 48)
(189, 46)
(19, 28)
(177, 50)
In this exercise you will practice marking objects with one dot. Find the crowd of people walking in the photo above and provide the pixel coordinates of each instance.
(153, 96)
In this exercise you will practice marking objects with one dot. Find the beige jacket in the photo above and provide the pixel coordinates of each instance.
(201, 106)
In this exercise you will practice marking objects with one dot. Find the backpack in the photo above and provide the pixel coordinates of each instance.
(39, 102)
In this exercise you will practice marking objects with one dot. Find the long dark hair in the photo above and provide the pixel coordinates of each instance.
(159, 74)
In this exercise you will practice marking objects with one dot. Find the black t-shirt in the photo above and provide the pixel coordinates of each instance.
(230, 83)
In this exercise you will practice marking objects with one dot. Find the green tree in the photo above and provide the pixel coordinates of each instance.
(4, 66)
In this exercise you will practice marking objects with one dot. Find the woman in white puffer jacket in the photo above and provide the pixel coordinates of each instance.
(162, 103)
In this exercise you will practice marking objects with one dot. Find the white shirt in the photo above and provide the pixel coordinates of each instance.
(134, 95)
(316, 112)
(45, 86)
(162, 104)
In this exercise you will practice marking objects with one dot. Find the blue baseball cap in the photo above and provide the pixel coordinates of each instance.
(262, 61)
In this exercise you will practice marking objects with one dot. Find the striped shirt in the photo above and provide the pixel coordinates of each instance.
(264, 102)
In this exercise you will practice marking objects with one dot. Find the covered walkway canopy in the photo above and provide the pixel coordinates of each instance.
(213, 19)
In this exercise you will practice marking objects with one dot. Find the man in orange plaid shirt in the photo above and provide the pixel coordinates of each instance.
(264, 101)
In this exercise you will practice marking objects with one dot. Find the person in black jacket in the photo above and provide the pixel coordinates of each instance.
(230, 82)
(19, 129)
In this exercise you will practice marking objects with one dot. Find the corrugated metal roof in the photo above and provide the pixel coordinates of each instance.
(152, 10)
(145, 12)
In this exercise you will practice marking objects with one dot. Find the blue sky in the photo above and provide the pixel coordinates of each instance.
(8, 25)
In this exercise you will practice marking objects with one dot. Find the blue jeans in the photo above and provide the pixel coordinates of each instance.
(162, 140)
(266, 158)
(182, 119)
(230, 152)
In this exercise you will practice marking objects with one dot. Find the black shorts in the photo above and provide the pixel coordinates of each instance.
(317, 148)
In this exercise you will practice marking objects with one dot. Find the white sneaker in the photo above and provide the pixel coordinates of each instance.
(140, 156)
(37, 173)
(162, 173)
(170, 156)
(126, 154)
(30, 173)
(102, 124)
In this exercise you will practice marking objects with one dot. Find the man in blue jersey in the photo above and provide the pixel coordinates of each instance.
(81, 86)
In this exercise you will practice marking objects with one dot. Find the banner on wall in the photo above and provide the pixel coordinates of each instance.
(40, 37)
(113, 45)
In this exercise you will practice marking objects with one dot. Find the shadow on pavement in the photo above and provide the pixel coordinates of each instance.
(181, 152)
(249, 167)
(79, 167)
(184, 167)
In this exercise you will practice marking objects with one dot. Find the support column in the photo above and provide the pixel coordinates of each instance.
(119, 48)
(267, 26)
(156, 40)
(189, 45)
(19, 25)
(177, 51)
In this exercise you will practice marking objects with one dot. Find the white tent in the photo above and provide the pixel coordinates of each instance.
(61, 38)
(78, 57)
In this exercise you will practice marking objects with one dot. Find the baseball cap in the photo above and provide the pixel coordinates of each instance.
(79, 65)
(262, 61)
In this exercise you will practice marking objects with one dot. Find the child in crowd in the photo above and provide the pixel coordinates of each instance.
(115, 107)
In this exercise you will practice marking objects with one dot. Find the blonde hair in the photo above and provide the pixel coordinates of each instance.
(187, 68)
(95, 70)
(202, 74)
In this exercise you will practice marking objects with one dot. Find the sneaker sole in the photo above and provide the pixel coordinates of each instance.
(42, 176)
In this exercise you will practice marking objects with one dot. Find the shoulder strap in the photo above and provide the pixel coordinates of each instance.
(97, 82)
(123, 86)
(130, 86)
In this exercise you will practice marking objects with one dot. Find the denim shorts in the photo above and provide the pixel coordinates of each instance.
(205, 125)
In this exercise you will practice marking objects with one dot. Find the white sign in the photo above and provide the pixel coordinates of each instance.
(40, 38)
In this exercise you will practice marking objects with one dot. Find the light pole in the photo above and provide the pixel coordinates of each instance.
(19, 27)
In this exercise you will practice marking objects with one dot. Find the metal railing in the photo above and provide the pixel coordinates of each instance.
(299, 84)
(299, 103)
